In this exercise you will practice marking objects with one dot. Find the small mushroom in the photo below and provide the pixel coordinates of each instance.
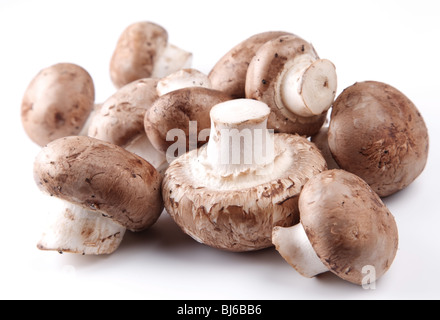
(172, 113)
(105, 190)
(229, 73)
(231, 192)
(184, 78)
(344, 228)
(377, 133)
(143, 51)
(120, 120)
(287, 74)
(57, 103)
(321, 141)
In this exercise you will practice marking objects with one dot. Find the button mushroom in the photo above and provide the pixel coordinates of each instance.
(321, 141)
(229, 73)
(143, 51)
(231, 192)
(175, 111)
(120, 120)
(344, 227)
(377, 133)
(105, 190)
(184, 78)
(57, 103)
(287, 74)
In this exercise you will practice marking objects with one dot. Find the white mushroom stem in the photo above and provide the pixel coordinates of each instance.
(78, 230)
(294, 246)
(184, 78)
(171, 60)
(142, 147)
(239, 141)
(308, 86)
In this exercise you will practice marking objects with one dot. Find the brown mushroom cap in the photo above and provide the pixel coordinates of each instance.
(57, 102)
(101, 177)
(377, 133)
(239, 216)
(229, 73)
(348, 225)
(176, 109)
(120, 119)
(262, 77)
(321, 141)
(136, 51)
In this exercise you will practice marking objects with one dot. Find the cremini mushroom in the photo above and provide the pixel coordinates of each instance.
(105, 189)
(377, 133)
(120, 120)
(173, 113)
(345, 227)
(321, 141)
(231, 192)
(184, 78)
(299, 87)
(229, 73)
(143, 51)
(57, 102)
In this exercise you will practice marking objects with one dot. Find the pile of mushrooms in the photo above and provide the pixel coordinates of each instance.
(259, 152)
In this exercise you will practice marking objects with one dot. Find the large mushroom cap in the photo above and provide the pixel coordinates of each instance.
(348, 225)
(57, 102)
(377, 133)
(101, 177)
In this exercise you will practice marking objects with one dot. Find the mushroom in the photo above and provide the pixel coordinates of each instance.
(344, 228)
(143, 51)
(184, 78)
(321, 141)
(173, 113)
(105, 189)
(229, 73)
(57, 102)
(231, 192)
(377, 133)
(287, 74)
(120, 120)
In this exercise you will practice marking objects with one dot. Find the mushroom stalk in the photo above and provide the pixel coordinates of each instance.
(142, 147)
(171, 60)
(78, 230)
(308, 86)
(239, 140)
(294, 246)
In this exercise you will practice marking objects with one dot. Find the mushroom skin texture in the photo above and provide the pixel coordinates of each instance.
(234, 206)
(377, 133)
(347, 226)
(120, 120)
(287, 74)
(102, 179)
(229, 73)
(57, 103)
(176, 109)
(143, 51)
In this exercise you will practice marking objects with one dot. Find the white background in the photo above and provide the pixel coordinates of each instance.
(391, 41)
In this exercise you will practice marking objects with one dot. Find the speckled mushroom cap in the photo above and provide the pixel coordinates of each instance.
(101, 177)
(240, 215)
(57, 102)
(264, 83)
(229, 73)
(348, 225)
(377, 133)
(120, 119)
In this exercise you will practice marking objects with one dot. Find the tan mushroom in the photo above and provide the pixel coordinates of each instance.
(229, 73)
(57, 103)
(171, 116)
(321, 141)
(120, 120)
(287, 74)
(143, 51)
(105, 190)
(345, 228)
(230, 193)
(377, 133)
(184, 78)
